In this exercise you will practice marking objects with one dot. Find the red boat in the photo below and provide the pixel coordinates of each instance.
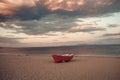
(62, 58)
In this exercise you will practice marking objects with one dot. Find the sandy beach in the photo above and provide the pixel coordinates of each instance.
(42, 67)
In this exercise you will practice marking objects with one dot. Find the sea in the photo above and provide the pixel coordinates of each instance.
(82, 50)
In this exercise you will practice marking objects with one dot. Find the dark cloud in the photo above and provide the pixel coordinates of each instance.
(89, 8)
(31, 13)
(9, 40)
(3, 18)
(113, 25)
(50, 23)
(111, 34)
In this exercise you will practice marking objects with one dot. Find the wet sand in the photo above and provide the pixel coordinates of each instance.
(42, 67)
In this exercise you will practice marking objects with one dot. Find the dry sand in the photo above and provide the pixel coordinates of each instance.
(42, 67)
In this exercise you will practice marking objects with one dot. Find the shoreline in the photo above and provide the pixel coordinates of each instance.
(76, 55)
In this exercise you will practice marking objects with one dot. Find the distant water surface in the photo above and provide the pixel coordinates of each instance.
(101, 50)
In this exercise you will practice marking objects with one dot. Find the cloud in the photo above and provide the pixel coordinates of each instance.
(111, 34)
(36, 9)
(87, 29)
(51, 24)
(9, 25)
(113, 25)
(9, 40)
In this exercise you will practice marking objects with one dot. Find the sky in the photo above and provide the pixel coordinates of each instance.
(40, 23)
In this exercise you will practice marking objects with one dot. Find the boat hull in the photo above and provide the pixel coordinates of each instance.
(59, 58)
